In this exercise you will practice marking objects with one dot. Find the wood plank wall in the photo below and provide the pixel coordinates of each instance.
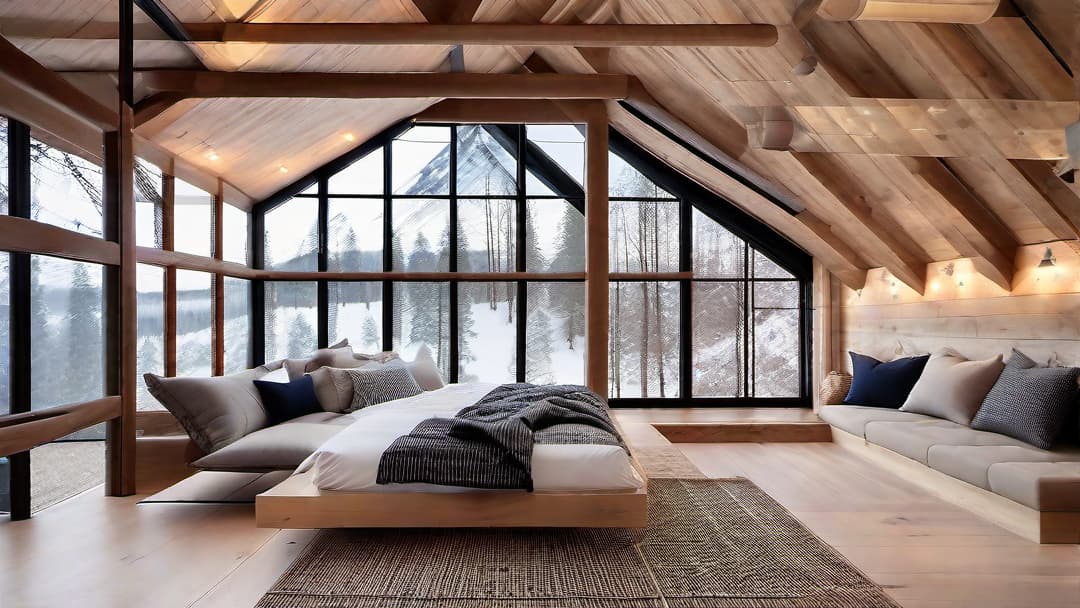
(1040, 316)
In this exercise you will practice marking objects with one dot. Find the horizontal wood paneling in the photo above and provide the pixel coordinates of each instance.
(967, 312)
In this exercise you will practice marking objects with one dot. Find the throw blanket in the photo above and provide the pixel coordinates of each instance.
(489, 444)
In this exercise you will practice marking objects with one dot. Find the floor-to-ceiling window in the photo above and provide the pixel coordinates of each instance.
(416, 225)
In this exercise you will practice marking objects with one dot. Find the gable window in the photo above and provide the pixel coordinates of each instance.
(705, 303)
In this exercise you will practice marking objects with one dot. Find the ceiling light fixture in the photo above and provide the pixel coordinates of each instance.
(1048, 260)
(349, 137)
(283, 169)
(212, 155)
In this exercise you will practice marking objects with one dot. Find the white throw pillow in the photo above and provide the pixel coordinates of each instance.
(952, 387)
(425, 371)
(278, 375)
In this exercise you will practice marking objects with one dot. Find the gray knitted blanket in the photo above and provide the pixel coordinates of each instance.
(490, 444)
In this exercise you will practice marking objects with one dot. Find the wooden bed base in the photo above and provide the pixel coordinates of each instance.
(297, 503)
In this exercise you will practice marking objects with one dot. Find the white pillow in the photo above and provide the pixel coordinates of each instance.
(425, 371)
(278, 375)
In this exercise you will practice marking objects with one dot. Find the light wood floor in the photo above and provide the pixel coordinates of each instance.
(91, 551)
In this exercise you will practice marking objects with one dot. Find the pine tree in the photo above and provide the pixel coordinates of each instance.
(538, 348)
(149, 359)
(569, 256)
(43, 360)
(301, 337)
(84, 373)
(370, 335)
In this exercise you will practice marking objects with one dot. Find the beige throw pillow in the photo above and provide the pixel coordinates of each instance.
(952, 387)
(333, 387)
(425, 371)
(324, 357)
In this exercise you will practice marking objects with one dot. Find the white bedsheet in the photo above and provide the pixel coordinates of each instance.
(350, 460)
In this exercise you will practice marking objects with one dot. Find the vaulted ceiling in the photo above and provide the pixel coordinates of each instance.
(896, 143)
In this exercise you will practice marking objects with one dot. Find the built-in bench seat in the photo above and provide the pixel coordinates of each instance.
(280, 447)
(992, 467)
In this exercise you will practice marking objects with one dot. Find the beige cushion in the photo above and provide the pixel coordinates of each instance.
(324, 357)
(280, 447)
(953, 388)
(425, 371)
(333, 387)
(971, 463)
(914, 439)
(214, 411)
(853, 418)
(1045, 486)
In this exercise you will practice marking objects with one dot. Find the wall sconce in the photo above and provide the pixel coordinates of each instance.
(1048, 260)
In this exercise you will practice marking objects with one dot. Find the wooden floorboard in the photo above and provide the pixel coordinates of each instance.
(94, 551)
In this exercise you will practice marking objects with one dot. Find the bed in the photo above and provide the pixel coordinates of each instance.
(574, 484)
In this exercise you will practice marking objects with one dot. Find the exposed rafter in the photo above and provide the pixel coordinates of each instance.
(195, 84)
(487, 34)
(952, 11)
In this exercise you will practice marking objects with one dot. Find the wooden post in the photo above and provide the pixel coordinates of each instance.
(596, 250)
(168, 208)
(218, 330)
(120, 171)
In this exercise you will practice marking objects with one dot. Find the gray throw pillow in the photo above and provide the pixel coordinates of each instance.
(953, 388)
(373, 386)
(332, 357)
(214, 411)
(333, 387)
(1029, 402)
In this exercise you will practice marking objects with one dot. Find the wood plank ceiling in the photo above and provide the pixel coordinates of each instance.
(904, 143)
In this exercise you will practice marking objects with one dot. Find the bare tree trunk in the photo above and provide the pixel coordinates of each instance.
(643, 261)
(659, 316)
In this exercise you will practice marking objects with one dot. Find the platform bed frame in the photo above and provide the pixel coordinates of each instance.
(1047, 527)
(298, 503)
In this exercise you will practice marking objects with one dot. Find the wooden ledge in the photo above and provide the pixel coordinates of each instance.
(744, 432)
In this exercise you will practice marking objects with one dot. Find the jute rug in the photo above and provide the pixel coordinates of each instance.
(710, 544)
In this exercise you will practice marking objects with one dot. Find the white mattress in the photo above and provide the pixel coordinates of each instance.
(350, 460)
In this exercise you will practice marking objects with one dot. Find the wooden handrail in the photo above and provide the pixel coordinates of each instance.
(27, 236)
(21, 432)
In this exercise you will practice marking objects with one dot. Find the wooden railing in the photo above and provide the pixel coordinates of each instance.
(21, 432)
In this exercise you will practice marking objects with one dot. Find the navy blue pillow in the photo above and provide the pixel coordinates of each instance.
(880, 384)
(287, 400)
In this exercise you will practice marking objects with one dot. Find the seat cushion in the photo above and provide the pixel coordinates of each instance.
(914, 438)
(281, 447)
(853, 418)
(1044, 486)
(971, 463)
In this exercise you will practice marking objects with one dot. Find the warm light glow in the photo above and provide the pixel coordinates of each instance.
(283, 169)
(212, 155)
(934, 286)
(349, 137)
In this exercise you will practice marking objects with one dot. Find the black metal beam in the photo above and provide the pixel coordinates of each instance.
(19, 312)
(163, 18)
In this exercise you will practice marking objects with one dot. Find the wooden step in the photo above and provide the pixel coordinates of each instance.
(744, 432)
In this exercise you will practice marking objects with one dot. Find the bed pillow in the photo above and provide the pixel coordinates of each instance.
(214, 411)
(287, 400)
(278, 375)
(333, 357)
(878, 384)
(952, 387)
(334, 388)
(374, 386)
(425, 371)
(1028, 402)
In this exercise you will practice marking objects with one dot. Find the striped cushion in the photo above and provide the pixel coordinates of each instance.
(372, 386)
(1029, 402)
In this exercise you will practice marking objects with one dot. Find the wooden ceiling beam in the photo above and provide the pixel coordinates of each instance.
(49, 87)
(926, 11)
(965, 221)
(904, 264)
(198, 84)
(1063, 202)
(489, 34)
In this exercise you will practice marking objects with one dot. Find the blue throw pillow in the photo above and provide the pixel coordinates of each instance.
(880, 384)
(287, 400)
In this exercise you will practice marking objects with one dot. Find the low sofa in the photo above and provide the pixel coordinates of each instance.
(1031, 491)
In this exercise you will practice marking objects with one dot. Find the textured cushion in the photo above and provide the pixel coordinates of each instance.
(971, 463)
(281, 447)
(878, 384)
(334, 388)
(287, 400)
(373, 386)
(424, 370)
(1045, 486)
(853, 418)
(214, 411)
(914, 439)
(383, 357)
(324, 357)
(1029, 402)
(953, 388)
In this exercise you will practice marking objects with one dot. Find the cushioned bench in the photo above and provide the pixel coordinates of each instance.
(1034, 492)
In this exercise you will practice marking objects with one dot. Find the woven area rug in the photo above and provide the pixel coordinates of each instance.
(710, 544)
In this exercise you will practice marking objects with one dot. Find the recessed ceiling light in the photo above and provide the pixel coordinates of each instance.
(349, 137)
(283, 169)
(212, 155)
